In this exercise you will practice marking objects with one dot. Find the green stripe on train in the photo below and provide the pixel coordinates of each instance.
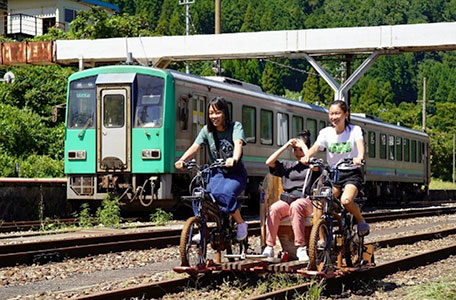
(393, 170)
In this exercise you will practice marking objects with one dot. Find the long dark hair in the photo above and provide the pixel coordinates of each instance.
(220, 104)
(305, 136)
(344, 106)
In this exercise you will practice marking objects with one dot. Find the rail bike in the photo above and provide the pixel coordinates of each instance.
(198, 232)
(333, 237)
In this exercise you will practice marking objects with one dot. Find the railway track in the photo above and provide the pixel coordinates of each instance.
(19, 226)
(57, 250)
(332, 284)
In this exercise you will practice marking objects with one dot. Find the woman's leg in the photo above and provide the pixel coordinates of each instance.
(347, 199)
(226, 190)
(299, 210)
(277, 211)
(237, 216)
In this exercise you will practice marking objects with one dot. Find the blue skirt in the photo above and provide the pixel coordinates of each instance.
(227, 187)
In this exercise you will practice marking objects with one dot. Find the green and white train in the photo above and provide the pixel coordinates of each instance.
(126, 125)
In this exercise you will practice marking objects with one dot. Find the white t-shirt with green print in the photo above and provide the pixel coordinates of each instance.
(339, 146)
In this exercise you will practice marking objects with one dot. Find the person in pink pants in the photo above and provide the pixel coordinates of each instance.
(294, 201)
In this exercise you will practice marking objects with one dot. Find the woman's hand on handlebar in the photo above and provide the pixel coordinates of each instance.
(358, 161)
(230, 162)
(180, 164)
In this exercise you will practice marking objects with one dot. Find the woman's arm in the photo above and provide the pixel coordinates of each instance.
(271, 161)
(191, 152)
(360, 146)
(311, 152)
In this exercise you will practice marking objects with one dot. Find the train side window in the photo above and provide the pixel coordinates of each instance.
(248, 122)
(398, 148)
(183, 112)
(311, 125)
(198, 119)
(413, 151)
(420, 151)
(391, 146)
(322, 125)
(282, 129)
(266, 127)
(372, 144)
(297, 125)
(230, 109)
(383, 148)
(406, 150)
(424, 150)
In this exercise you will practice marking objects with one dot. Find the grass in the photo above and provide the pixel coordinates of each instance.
(438, 184)
(445, 289)
(161, 217)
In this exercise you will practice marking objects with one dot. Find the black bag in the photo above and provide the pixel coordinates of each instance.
(287, 197)
(290, 197)
(221, 154)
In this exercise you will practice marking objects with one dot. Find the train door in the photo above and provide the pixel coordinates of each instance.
(199, 114)
(113, 128)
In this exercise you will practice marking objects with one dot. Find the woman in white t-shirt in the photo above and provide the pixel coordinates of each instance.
(343, 140)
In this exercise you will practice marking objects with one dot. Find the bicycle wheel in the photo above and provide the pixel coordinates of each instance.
(192, 251)
(320, 257)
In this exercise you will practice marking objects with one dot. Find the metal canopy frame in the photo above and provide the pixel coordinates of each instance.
(308, 43)
(341, 91)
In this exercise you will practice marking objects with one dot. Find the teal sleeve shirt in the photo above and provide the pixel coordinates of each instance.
(226, 138)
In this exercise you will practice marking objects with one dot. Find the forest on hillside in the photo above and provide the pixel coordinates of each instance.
(389, 89)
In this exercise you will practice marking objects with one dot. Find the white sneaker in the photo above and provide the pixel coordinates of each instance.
(268, 251)
(301, 253)
(196, 238)
(241, 231)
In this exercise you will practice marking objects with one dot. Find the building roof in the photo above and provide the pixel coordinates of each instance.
(101, 4)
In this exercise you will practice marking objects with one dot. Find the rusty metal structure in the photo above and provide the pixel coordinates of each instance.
(23, 53)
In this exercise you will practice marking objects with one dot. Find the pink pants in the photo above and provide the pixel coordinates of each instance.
(298, 210)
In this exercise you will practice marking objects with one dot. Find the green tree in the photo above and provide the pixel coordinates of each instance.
(310, 91)
(96, 24)
(271, 81)
(251, 21)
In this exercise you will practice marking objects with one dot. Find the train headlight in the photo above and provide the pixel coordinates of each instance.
(150, 154)
(77, 155)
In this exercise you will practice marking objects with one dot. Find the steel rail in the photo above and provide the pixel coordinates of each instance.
(56, 250)
(332, 285)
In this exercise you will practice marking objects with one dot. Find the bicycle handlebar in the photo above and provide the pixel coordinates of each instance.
(192, 164)
(346, 162)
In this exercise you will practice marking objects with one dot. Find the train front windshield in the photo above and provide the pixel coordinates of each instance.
(149, 102)
(82, 103)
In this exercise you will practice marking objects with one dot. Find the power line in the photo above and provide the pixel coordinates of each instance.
(290, 67)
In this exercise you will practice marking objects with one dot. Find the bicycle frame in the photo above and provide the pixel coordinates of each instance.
(343, 239)
(205, 207)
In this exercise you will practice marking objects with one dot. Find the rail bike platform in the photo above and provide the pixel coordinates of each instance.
(260, 265)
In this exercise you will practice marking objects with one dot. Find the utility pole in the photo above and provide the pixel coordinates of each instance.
(187, 4)
(217, 16)
(424, 104)
(217, 31)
